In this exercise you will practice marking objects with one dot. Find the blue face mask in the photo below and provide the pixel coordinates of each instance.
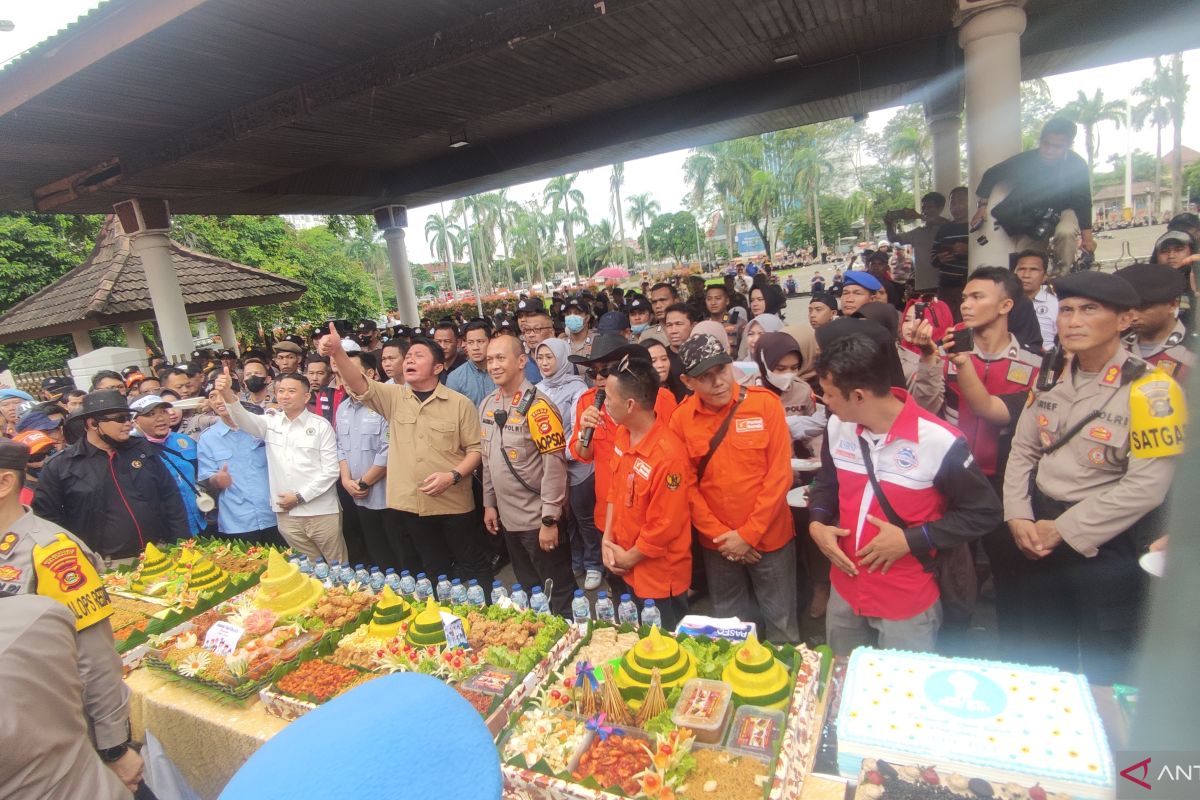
(640, 327)
(574, 323)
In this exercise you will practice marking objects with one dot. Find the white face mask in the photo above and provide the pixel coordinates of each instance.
(781, 380)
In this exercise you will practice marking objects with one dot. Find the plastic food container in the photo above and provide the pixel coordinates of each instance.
(704, 708)
(491, 680)
(755, 731)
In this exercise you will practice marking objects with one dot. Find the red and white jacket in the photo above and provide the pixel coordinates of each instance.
(930, 478)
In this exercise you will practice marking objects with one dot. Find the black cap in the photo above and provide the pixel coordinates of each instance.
(295, 339)
(577, 303)
(635, 302)
(701, 352)
(226, 353)
(506, 324)
(613, 322)
(531, 305)
(609, 347)
(13, 455)
(366, 326)
(56, 385)
(1154, 283)
(1103, 287)
(826, 298)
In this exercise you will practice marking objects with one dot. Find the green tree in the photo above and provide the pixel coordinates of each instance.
(640, 207)
(1153, 109)
(1176, 91)
(672, 235)
(1037, 106)
(615, 181)
(596, 246)
(561, 194)
(1091, 112)
(445, 238)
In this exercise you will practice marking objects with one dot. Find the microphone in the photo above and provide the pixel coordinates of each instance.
(585, 438)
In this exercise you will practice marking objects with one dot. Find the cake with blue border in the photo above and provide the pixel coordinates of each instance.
(997, 721)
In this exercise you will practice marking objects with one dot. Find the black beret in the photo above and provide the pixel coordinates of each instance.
(13, 455)
(1103, 287)
(1154, 283)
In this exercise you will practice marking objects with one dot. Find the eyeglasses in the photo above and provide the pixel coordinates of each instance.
(539, 329)
(120, 419)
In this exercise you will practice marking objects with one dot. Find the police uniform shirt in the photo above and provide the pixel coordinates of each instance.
(1171, 355)
(536, 447)
(38, 557)
(1116, 469)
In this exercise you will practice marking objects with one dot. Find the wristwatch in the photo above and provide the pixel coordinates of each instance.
(111, 754)
(456, 475)
(548, 521)
(299, 498)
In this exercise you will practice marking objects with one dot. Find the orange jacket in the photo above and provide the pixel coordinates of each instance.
(745, 485)
(602, 443)
(648, 493)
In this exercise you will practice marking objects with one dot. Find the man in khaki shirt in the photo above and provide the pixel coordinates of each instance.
(434, 445)
(1100, 447)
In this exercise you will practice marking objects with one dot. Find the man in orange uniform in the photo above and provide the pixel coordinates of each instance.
(607, 350)
(648, 533)
(739, 445)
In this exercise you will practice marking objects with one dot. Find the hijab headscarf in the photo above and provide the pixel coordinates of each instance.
(768, 323)
(882, 313)
(806, 339)
(772, 347)
(564, 373)
(715, 328)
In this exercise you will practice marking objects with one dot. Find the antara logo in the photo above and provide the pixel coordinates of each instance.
(1144, 767)
(1171, 771)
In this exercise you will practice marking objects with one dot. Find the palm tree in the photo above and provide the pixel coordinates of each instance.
(1153, 110)
(642, 206)
(615, 181)
(1176, 96)
(560, 193)
(912, 142)
(1090, 112)
(717, 168)
(812, 167)
(531, 229)
(459, 208)
(497, 210)
(446, 239)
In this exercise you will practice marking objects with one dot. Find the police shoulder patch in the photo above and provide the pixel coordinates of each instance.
(65, 574)
(545, 428)
(1157, 416)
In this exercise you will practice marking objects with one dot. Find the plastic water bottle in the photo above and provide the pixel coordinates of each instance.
(605, 611)
(294, 558)
(498, 591)
(362, 574)
(475, 596)
(424, 588)
(306, 567)
(347, 574)
(651, 615)
(443, 589)
(321, 570)
(408, 584)
(377, 579)
(335, 573)
(391, 579)
(581, 611)
(519, 598)
(627, 611)
(458, 592)
(538, 602)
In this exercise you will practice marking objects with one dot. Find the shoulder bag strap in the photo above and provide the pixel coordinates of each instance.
(719, 436)
(888, 510)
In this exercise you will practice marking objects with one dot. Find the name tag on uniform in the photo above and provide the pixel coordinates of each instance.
(749, 424)
(642, 468)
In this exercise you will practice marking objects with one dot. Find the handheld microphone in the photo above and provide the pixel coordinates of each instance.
(585, 438)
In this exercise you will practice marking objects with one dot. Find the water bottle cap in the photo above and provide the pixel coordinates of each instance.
(649, 604)
(337, 564)
(320, 561)
(441, 577)
(404, 573)
(536, 589)
(390, 571)
(472, 582)
(625, 598)
(420, 574)
(516, 586)
(601, 595)
(358, 566)
(456, 582)
(497, 585)
(579, 592)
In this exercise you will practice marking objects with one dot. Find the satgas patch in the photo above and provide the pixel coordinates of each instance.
(1158, 417)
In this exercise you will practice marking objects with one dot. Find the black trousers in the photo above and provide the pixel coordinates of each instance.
(533, 566)
(356, 548)
(1008, 565)
(1083, 614)
(449, 544)
(271, 537)
(372, 523)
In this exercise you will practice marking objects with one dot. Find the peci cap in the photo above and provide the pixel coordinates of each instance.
(613, 322)
(1108, 288)
(824, 298)
(1154, 283)
(702, 352)
(864, 279)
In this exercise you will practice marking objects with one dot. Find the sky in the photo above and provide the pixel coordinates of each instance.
(662, 175)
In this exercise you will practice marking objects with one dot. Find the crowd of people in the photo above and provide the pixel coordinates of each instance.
(999, 427)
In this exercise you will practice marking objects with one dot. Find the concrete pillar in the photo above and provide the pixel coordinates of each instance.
(133, 335)
(147, 222)
(83, 342)
(392, 220)
(228, 335)
(990, 37)
(943, 128)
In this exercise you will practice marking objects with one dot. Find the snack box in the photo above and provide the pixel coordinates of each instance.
(491, 680)
(704, 708)
(755, 731)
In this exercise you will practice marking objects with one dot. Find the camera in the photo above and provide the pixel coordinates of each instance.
(1044, 222)
(919, 310)
(964, 341)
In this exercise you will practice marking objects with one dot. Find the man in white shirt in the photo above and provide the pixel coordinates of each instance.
(921, 238)
(1030, 268)
(302, 467)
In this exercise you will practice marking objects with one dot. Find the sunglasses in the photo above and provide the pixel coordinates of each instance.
(118, 418)
(605, 371)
